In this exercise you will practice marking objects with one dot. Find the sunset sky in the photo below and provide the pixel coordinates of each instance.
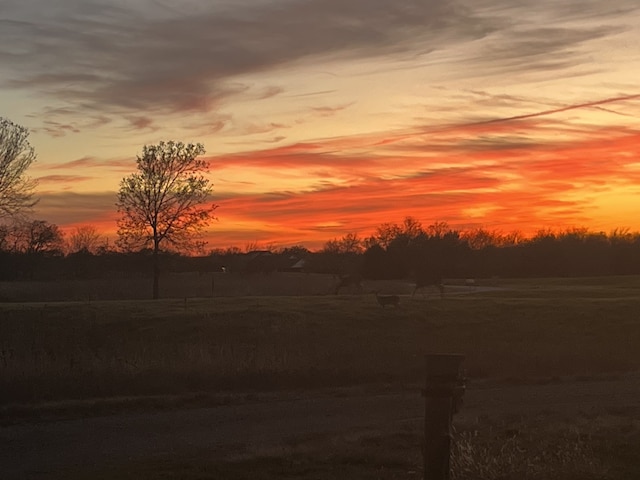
(325, 117)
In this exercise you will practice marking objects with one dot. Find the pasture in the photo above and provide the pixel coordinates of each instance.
(522, 331)
(104, 356)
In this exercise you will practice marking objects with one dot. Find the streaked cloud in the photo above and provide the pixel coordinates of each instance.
(322, 117)
(110, 56)
(84, 163)
(70, 208)
(123, 58)
(557, 184)
(62, 179)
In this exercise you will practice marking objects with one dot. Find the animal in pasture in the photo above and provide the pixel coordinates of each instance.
(427, 280)
(352, 281)
(385, 300)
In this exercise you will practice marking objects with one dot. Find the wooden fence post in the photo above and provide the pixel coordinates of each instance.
(443, 391)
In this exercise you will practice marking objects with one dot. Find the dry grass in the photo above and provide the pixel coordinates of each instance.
(486, 451)
(526, 332)
(172, 285)
(525, 456)
(530, 331)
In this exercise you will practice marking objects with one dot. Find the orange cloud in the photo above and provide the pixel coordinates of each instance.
(519, 187)
(525, 173)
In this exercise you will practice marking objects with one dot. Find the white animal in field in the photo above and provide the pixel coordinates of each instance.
(385, 300)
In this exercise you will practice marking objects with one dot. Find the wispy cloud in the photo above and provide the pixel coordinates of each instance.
(62, 179)
(595, 103)
(334, 115)
(125, 60)
(84, 163)
(124, 63)
(70, 208)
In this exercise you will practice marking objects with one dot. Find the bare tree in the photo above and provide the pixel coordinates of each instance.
(16, 155)
(350, 243)
(33, 237)
(84, 238)
(5, 238)
(166, 202)
(385, 234)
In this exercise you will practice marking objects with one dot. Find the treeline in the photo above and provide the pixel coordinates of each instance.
(409, 250)
(38, 250)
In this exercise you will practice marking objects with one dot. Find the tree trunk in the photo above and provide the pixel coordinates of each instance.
(156, 272)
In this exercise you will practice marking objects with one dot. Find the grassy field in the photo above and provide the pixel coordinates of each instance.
(172, 285)
(601, 447)
(176, 352)
(520, 331)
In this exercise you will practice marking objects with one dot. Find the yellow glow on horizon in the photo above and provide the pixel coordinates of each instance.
(504, 115)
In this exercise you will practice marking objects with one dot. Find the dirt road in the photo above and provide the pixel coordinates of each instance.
(44, 450)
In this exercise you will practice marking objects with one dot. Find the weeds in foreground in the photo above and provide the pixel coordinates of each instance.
(530, 456)
(552, 453)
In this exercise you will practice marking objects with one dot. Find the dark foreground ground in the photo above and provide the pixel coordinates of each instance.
(323, 386)
(202, 442)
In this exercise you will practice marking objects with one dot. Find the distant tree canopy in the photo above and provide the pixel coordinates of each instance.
(31, 237)
(16, 155)
(409, 250)
(166, 202)
(36, 249)
(85, 239)
(350, 243)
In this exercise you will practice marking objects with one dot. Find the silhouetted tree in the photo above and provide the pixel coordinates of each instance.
(30, 245)
(350, 243)
(386, 233)
(412, 228)
(4, 238)
(16, 155)
(376, 263)
(299, 251)
(166, 202)
(439, 229)
(32, 237)
(398, 251)
(480, 238)
(84, 238)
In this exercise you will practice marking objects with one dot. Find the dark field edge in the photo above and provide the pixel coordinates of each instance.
(41, 412)
(540, 448)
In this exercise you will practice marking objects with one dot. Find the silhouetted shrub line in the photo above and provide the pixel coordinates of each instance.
(448, 253)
